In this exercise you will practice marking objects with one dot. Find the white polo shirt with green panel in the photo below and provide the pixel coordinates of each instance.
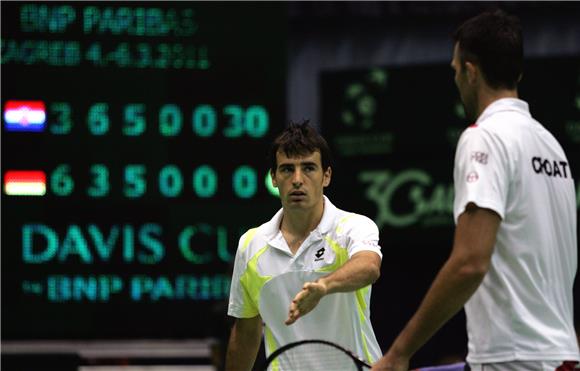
(267, 276)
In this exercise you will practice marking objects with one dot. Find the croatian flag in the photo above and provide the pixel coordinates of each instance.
(24, 115)
(25, 183)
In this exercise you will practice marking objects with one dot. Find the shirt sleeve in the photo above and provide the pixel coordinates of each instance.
(363, 235)
(240, 305)
(481, 172)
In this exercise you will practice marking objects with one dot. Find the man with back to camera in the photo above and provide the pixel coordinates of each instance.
(288, 267)
(514, 254)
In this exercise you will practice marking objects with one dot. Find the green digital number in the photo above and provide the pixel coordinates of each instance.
(170, 181)
(144, 59)
(61, 182)
(257, 121)
(236, 122)
(63, 123)
(203, 58)
(204, 121)
(98, 119)
(100, 184)
(121, 55)
(135, 184)
(245, 182)
(177, 56)
(170, 120)
(94, 54)
(205, 181)
(135, 122)
(254, 121)
(164, 55)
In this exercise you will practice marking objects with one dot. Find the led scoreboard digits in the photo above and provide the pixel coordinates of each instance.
(134, 144)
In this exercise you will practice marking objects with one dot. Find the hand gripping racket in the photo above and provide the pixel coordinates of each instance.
(314, 355)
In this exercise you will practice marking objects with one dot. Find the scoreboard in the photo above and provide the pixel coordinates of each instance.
(134, 144)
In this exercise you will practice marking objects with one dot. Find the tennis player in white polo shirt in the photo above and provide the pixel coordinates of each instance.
(514, 256)
(306, 273)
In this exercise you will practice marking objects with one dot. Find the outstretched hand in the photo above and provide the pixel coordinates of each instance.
(305, 301)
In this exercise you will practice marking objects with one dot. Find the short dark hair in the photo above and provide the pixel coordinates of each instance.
(493, 40)
(300, 139)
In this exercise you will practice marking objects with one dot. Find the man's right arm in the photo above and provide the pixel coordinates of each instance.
(244, 344)
(459, 278)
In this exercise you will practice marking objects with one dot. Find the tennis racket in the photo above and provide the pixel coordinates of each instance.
(314, 355)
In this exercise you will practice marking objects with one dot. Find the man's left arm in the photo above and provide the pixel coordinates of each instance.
(361, 270)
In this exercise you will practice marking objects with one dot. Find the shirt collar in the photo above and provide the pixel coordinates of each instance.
(503, 105)
(272, 228)
(327, 217)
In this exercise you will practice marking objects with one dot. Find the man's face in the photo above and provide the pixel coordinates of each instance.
(466, 91)
(300, 180)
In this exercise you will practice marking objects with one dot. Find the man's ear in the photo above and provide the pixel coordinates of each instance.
(272, 176)
(326, 177)
(473, 72)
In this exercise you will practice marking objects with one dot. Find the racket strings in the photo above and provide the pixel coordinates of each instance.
(313, 357)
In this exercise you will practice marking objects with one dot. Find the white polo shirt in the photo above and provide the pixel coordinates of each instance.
(267, 276)
(511, 164)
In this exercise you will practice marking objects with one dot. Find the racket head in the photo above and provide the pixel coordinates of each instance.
(314, 355)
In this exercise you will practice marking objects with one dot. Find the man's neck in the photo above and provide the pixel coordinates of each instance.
(297, 224)
(487, 96)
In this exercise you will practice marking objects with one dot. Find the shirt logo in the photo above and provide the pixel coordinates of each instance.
(319, 254)
(472, 177)
(550, 167)
(480, 157)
